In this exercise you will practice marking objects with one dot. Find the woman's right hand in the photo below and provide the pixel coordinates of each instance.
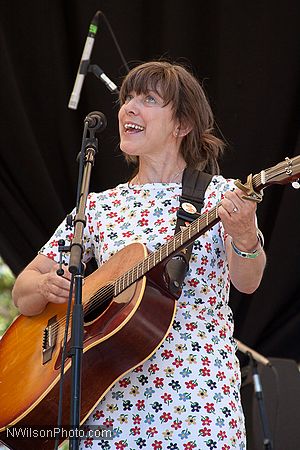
(55, 288)
(39, 284)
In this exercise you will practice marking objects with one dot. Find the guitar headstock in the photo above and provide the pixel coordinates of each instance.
(283, 173)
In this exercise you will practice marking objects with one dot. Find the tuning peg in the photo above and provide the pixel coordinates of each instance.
(296, 184)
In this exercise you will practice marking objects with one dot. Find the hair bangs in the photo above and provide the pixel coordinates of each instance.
(150, 77)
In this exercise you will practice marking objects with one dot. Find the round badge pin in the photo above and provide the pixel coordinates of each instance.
(189, 208)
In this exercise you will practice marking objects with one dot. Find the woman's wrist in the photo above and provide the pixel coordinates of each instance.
(246, 250)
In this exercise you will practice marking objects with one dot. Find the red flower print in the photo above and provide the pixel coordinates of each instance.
(158, 382)
(140, 404)
(152, 431)
(209, 407)
(212, 301)
(167, 398)
(153, 368)
(204, 260)
(232, 405)
(159, 221)
(165, 417)
(137, 419)
(178, 362)
(194, 282)
(108, 422)
(209, 348)
(205, 431)
(51, 255)
(189, 446)
(205, 372)
(226, 389)
(145, 213)
(222, 435)
(111, 214)
(157, 445)
(98, 414)
(191, 384)
(206, 420)
(120, 445)
(127, 233)
(191, 326)
(176, 424)
(143, 222)
(124, 382)
(221, 376)
(222, 333)
(200, 271)
(205, 361)
(166, 354)
(208, 247)
(92, 205)
(135, 431)
(233, 423)
(163, 230)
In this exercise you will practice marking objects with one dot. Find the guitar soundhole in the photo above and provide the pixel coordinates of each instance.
(98, 303)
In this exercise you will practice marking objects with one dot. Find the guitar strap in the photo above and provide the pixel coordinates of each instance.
(194, 184)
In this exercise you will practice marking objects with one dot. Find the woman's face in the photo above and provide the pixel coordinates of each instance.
(146, 126)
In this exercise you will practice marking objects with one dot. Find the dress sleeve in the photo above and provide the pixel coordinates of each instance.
(90, 238)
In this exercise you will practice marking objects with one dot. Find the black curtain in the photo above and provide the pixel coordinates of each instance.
(247, 56)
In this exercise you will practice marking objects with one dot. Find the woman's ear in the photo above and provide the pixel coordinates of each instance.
(182, 130)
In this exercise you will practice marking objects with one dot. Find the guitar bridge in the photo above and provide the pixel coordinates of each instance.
(49, 339)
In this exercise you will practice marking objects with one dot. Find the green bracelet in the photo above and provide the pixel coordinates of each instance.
(250, 255)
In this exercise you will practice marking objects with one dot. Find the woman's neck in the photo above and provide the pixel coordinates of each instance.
(162, 172)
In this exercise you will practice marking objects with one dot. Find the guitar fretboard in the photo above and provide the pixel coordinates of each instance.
(178, 242)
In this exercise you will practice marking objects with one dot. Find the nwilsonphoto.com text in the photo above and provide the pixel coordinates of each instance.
(29, 432)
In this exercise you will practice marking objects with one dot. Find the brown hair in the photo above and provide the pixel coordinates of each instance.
(200, 148)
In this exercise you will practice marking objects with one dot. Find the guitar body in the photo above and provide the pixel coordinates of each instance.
(120, 337)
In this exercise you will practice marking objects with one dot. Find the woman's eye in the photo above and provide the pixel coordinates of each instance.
(150, 99)
(128, 98)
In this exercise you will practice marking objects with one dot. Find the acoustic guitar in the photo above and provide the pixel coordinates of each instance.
(128, 312)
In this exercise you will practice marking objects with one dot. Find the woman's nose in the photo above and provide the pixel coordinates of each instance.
(132, 106)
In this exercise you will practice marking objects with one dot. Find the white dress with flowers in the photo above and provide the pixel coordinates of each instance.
(187, 395)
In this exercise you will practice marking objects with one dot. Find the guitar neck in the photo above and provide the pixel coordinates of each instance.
(181, 240)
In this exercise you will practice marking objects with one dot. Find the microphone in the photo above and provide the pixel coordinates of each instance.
(98, 72)
(96, 121)
(84, 63)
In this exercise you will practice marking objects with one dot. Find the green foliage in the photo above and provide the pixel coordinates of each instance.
(7, 309)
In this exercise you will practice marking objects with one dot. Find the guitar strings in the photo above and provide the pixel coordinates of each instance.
(100, 296)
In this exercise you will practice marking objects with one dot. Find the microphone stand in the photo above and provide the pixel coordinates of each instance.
(255, 357)
(76, 267)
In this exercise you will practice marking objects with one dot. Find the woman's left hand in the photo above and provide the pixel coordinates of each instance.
(238, 216)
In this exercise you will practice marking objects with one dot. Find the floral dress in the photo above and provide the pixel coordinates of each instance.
(187, 395)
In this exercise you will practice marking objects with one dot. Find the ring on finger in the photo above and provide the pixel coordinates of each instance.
(235, 209)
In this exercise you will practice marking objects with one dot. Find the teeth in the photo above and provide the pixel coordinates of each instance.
(133, 126)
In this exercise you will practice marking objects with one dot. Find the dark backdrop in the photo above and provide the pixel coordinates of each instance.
(247, 56)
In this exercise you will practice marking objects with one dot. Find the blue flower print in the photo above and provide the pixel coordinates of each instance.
(149, 392)
(184, 434)
(220, 422)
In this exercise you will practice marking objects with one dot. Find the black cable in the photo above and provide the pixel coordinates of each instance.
(62, 368)
(115, 40)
